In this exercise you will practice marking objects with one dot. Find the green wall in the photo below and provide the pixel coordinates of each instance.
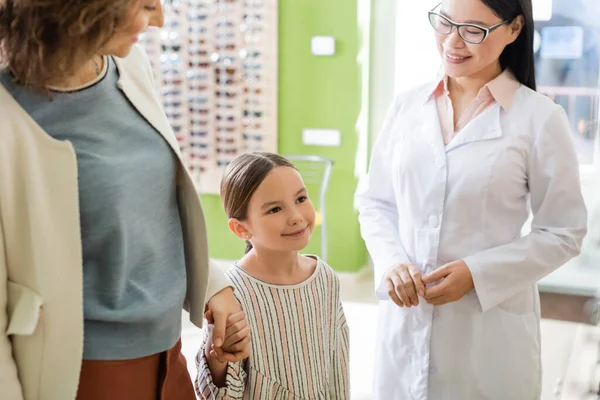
(314, 92)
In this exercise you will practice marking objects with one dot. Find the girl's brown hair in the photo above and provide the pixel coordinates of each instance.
(46, 40)
(241, 179)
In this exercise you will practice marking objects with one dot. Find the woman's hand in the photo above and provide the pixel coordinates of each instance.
(456, 281)
(404, 285)
(221, 306)
(216, 364)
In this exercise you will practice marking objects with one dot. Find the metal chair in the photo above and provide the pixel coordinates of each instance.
(316, 170)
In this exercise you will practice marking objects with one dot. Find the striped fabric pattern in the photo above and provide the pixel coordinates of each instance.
(300, 341)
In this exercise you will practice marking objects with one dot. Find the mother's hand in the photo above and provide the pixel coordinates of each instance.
(221, 306)
(404, 285)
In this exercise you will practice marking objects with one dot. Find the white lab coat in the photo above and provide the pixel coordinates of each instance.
(430, 204)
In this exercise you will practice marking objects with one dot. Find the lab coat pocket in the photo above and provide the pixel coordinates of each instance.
(520, 304)
(509, 363)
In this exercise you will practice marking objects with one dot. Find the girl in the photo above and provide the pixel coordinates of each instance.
(299, 340)
(456, 169)
(102, 236)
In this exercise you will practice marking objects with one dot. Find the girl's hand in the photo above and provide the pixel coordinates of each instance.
(237, 335)
(237, 339)
(404, 285)
(456, 281)
(214, 355)
(222, 305)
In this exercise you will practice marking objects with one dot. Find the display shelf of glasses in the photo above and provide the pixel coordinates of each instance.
(215, 63)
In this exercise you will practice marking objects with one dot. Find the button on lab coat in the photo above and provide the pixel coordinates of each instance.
(430, 204)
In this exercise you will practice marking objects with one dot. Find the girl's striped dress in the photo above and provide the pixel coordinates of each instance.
(299, 342)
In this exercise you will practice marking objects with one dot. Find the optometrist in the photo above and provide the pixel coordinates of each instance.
(458, 167)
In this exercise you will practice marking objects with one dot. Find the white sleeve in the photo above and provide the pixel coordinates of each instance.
(376, 203)
(559, 220)
(217, 280)
(235, 380)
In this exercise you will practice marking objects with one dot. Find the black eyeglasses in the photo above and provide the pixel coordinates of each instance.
(470, 33)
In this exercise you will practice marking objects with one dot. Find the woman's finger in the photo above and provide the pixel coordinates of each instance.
(218, 353)
(409, 287)
(399, 288)
(438, 301)
(438, 290)
(208, 317)
(392, 293)
(417, 278)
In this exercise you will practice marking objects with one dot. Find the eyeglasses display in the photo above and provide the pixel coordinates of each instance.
(215, 62)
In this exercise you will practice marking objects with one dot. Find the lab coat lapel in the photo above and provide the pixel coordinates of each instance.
(485, 126)
(428, 123)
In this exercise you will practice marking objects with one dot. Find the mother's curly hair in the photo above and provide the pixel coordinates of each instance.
(46, 40)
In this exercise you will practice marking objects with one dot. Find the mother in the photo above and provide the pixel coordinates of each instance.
(102, 236)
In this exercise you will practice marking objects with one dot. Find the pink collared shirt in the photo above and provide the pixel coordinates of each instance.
(501, 89)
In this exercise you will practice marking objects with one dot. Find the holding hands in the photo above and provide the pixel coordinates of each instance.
(229, 330)
(236, 346)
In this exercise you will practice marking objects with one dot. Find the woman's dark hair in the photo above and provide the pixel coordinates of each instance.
(46, 40)
(241, 179)
(517, 56)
